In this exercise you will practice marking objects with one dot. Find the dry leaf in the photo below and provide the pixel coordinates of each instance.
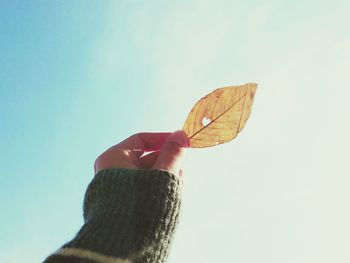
(219, 116)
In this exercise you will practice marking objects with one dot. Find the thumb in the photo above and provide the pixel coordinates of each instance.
(172, 153)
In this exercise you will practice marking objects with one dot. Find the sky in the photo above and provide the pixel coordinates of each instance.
(79, 76)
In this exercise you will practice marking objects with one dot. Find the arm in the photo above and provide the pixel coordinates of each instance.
(130, 213)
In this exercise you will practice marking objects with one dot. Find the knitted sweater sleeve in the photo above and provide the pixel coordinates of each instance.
(129, 217)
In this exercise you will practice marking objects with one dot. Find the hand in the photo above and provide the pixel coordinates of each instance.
(167, 151)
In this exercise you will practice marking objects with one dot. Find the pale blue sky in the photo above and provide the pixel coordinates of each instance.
(79, 76)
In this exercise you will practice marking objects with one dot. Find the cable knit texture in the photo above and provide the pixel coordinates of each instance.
(130, 216)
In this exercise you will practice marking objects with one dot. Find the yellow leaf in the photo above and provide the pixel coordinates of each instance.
(219, 116)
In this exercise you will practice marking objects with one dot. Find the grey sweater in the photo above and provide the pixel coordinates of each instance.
(129, 217)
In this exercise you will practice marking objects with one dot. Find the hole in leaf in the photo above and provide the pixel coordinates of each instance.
(206, 121)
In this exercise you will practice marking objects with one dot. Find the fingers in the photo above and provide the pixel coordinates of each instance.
(144, 141)
(115, 158)
(168, 150)
(172, 153)
(127, 153)
(148, 160)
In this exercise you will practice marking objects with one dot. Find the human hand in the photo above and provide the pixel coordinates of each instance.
(167, 152)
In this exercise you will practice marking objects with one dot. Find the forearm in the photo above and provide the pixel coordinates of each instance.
(130, 216)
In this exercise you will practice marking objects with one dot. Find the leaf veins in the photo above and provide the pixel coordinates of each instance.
(219, 116)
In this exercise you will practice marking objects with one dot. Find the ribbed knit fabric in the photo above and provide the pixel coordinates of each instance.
(130, 216)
